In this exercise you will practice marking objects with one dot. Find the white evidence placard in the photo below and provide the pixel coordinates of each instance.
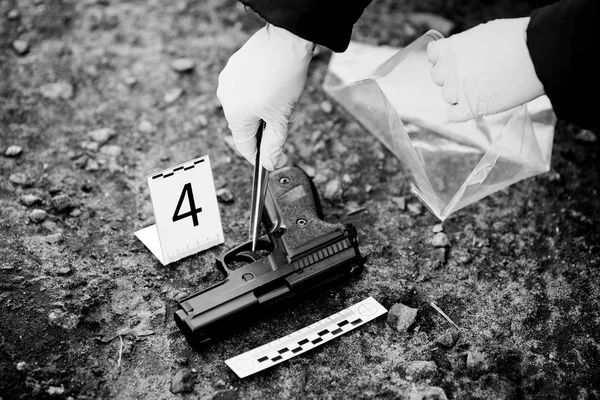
(186, 211)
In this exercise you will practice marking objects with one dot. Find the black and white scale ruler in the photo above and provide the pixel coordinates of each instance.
(305, 339)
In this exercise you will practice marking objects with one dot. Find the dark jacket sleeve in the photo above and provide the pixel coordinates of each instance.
(563, 40)
(325, 22)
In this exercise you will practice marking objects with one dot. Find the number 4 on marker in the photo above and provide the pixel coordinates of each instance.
(187, 189)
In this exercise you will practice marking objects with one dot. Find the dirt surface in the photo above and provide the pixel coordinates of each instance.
(86, 309)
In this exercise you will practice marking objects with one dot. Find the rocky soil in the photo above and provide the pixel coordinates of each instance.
(96, 94)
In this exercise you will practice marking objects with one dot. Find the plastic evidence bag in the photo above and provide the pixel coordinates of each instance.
(449, 164)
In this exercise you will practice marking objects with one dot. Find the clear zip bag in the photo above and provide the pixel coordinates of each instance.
(449, 165)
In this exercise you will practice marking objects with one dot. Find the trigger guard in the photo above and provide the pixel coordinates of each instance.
(248, 256)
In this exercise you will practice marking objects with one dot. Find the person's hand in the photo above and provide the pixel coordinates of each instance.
(263, 80)
(485, 70)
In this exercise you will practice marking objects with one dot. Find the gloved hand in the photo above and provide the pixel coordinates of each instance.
(485, 70)
(263, 80)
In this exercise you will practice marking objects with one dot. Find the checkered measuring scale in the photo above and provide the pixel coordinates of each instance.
(305, 339)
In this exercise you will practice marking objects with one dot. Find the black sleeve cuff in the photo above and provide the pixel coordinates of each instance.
(563, 39)
(325, 22)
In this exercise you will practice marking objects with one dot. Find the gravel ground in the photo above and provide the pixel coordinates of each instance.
(96, 94)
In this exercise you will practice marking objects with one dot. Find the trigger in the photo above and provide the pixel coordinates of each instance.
(248, 256)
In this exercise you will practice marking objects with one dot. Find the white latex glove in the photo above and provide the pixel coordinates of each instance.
(263, 80)
(485, 70)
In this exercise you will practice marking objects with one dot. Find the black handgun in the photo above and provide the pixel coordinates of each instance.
(300, 253)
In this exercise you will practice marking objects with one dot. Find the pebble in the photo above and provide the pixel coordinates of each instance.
(13, 14)
(37, 215)
(102, 135)
(21, 366)
(415, 208)
(183, 381)
(146, 126)
(449, 338)
(326, 107)
(54, 238)
(21, 46)
(30, 199)
(183, 65)
(586, 136)
(89, 145)
(431, 21)
(437, 228)
(13, 151)
(61, 203)
(333, 189)
(225, 195)
(111, 150)
(477, 361)
(58, 90)
(173, 95)
(56, 390)
(92, 165)
(440, 240)
(130, 81)
(400, 202)
(427, 393)
(19, 178)
(64, 270)
(401, 317)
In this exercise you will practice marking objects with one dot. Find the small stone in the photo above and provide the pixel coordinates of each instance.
(61, 203)
(89, 145)
(477, 361)
(586, 136)
(37, 216)
(173, 95)
(56, 391)
(58, 90)
(64, 271)
(21, 366)
(415, 208)
(368, 188)
(130, 81)
(19, 178)
(183, 381)
(420, 369)
(449, 338)
(102, 135)
(326, 107)
(20, 46)
(54, 238)
(440, 240)
(333, 190)
(146, 126)
(400, 202)
(431, 21)
(13, 151)
(427, 393)
(91, 165)
(225, 195)
(30, 199)
(111, 150)
(13, 14)
(401, 317)
(183, 65)
(437, 228)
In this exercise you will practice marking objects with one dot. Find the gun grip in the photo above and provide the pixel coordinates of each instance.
(292, 205)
